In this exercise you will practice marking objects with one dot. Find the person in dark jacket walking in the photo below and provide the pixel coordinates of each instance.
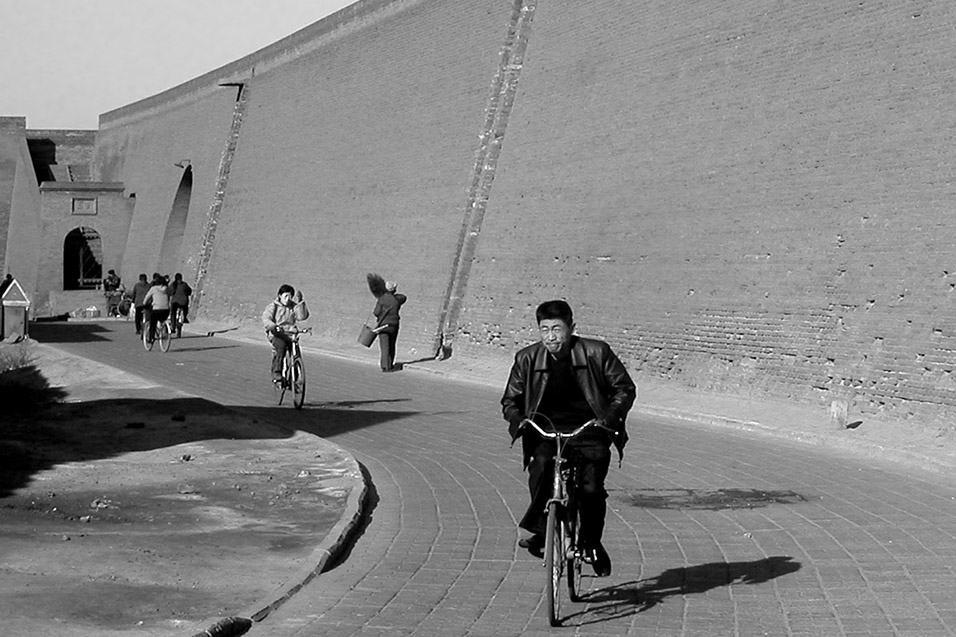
(565, 380)
(387, 312)
(139, 302)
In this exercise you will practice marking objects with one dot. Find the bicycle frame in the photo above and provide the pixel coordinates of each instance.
(293, 370)
(561, 549)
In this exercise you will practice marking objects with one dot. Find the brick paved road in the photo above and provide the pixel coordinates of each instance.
(713, 532)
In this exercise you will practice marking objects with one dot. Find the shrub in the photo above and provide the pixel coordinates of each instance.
(15, 358)
(22, 385)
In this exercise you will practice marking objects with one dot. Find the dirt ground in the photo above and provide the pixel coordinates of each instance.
(130, 509)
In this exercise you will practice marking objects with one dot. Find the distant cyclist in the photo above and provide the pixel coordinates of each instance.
(179, 293)
(157, 300)
(565, 380)
(280, 316)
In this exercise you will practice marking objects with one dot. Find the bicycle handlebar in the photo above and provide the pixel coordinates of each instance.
(294, 330)
(594, 422)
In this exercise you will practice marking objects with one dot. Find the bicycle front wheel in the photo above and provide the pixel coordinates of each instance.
(554, 563)
(163, 336)
(573, 564)
(298, 383)
(147, 344)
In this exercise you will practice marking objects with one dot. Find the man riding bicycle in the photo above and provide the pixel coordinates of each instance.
(565, 380)
(281, 316)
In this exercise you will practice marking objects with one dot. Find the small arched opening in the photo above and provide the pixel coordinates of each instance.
(82, 259)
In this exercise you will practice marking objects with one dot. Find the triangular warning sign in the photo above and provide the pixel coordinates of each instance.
(15, 296)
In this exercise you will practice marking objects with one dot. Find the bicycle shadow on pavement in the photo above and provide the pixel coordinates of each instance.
(631, 598)
(174, 349)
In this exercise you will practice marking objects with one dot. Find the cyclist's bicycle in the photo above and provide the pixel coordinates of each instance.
(176, 320)
(293, 371)
(163, 335)
(563, 555)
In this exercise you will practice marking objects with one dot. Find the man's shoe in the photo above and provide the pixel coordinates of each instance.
(599, 559)
(534, 544)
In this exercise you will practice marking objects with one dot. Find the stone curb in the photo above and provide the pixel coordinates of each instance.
(330, 548)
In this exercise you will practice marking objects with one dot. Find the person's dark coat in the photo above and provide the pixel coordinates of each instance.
(603, 379)
(139, 293)
(387, 309)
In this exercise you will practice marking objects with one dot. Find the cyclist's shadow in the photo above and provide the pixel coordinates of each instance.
(630, 598)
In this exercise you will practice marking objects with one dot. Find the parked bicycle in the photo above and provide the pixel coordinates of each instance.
(563, 555)
(163, 335)
(293, 370)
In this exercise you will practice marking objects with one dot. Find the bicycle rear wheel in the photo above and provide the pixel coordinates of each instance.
(298, 383)
(554, 559)
(147, 344)
(163, 336)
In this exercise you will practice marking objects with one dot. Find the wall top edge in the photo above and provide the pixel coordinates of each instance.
(241, 70)
(37, 133)
(82, 186)
(13, 123)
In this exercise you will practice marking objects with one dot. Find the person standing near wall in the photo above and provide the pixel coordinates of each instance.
(5, 283)
(113, 290)
(139, 302)
(387, 312)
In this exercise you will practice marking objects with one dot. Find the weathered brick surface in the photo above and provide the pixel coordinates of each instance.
(357, 157)
(736, 197)
(141, 152)
(741, 196)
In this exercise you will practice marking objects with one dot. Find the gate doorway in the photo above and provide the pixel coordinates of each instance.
(82, 259)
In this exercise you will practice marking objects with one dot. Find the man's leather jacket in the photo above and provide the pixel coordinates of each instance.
(608, 388)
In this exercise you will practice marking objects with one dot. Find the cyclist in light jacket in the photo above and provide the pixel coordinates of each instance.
(278, 317)
(157, 300)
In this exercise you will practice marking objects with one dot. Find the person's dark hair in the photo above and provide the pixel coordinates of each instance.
(142, 277)
(556, 309)
(376, 284)
(157, 277)
(285, 287)
(178, 277)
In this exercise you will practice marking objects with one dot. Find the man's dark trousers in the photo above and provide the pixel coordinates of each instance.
(593, 459)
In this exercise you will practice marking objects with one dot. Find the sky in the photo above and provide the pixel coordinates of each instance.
(64, 62)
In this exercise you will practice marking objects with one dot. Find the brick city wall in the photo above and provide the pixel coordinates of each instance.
(738, 198)
(746, 197)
